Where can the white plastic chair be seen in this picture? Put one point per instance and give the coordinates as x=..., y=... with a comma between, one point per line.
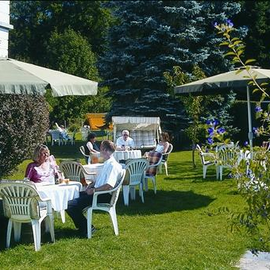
x=87, y=157
x=107, y=207
x=228, y=155
x=154, y=159
x=74, y=171
x=22, y=204
x=165, y=158
x=207, y=159
x=56, y=137
x=135, y=170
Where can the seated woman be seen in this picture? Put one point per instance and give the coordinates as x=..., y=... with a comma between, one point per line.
x=44, y=168
x=91, y=146
x=163, y=145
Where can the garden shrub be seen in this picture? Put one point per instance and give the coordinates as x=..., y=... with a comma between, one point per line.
x=23, y=124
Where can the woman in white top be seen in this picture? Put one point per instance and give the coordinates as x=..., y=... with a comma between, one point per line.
x=163, y=145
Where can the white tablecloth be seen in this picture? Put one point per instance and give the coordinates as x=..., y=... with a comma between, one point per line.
x=93, y=169
x=124, y=155
x=60, y=195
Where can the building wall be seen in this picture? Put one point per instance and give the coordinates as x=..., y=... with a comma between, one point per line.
x=5, y=26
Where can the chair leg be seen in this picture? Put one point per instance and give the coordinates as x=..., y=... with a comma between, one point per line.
x=89, y=222
x=17, y=231
x=112, y=213
x=126, y=194
x=49, y=225
x=220, y=172
x=154, y=184
x=141, y=191
x=9, y=229
x=166, y=168
x=145, y=181
x=132, y=192
x=204, y=171
x=36, y=234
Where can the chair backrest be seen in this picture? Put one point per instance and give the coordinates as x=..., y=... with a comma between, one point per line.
x=165, y=156
x=228, y=154
x=72, y=170
x=154, y=159
x=82, y=149
x=201, y=154
x=20, y=200
x=266, y=145
x=135, y=168
x=116, y=190
x=56, y=135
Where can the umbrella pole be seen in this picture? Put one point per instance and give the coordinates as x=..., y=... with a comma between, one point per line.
x=250, y=133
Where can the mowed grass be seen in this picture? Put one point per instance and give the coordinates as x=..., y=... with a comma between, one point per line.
x=178, y=228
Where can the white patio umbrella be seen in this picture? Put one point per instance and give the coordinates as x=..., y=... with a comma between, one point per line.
x=222, y=83
x=18, y=77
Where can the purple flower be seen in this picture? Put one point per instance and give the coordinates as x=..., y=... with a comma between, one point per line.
x=258, y=109
x=256, y=131
x=210, y=131
x=215, y=122
x=229, y=23
x=215, y=24
x=220, y=130
x=246, y=143
x=210, y=140
x=208, y=122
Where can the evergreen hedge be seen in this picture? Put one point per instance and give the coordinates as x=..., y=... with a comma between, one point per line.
x=23, y=124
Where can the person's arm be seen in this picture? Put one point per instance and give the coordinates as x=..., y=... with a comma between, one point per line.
x=92, y=190
x=166, y=146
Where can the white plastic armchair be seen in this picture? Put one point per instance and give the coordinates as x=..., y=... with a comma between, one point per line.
x=228, y=155
x=107, y=207
x=135, y=170
x=87, y=157
x=22, y=204
x=165, y=158
x=74, y=171
x=207, y=159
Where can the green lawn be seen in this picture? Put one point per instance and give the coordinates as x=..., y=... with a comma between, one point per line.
x=178, y=228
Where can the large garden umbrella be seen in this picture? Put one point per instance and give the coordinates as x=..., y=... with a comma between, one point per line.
x=18, y=77
x=225, y=82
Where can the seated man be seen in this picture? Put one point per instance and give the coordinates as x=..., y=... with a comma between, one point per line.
x=62, y=131
x=106, y=180
x=125, y=142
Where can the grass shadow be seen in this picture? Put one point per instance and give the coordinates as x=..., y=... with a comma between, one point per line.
x=163, y=202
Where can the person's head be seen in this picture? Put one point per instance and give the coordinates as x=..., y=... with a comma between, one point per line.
x=107, y=148
x=41, y=153
x=91, y=137
x=165, y=136
x=125, y=134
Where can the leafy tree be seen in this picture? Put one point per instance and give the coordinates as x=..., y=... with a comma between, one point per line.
x=35, y=21
x=64, y=35
x=70, y=52
x=255, y=16
x=23, y=124
x=150, y=38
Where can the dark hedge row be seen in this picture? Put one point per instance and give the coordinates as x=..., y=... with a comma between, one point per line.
x=24, y=120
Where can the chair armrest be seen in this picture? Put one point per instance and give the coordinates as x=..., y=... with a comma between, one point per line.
x=85, y=172
x=208, y=154
x=49, y=204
